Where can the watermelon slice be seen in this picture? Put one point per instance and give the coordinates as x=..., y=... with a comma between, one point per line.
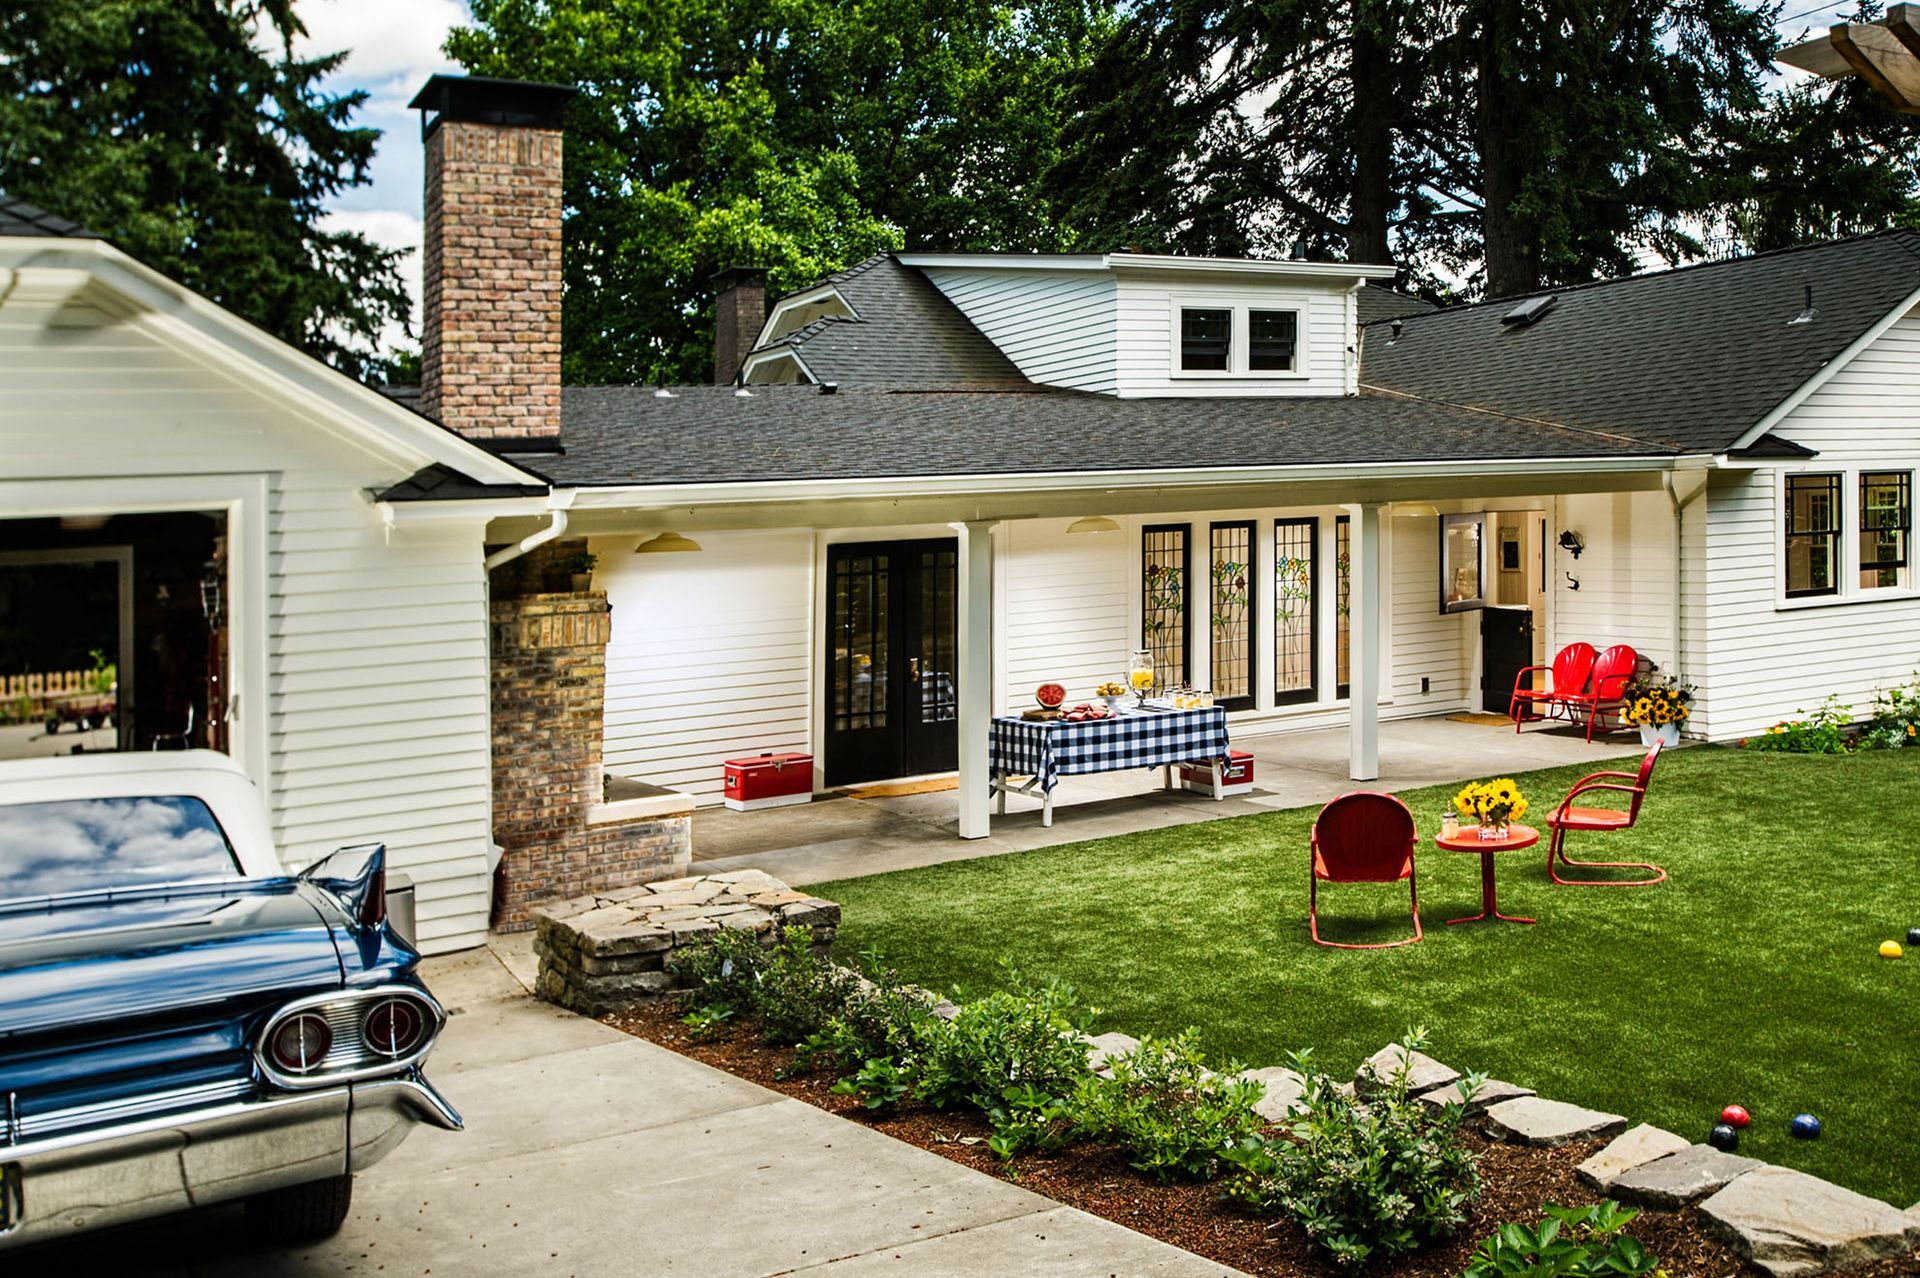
x=1050, y=695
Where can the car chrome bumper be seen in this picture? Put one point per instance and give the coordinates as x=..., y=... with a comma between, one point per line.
x=208, y=1155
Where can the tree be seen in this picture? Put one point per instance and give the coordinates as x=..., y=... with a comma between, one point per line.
x=797, y=135
x=187, y=132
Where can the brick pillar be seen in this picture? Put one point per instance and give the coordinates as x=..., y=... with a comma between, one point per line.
x=549, y=693
x=491, y=269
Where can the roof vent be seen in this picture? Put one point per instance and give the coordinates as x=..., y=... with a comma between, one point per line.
x=1529, y=312
x=828, y=388
x=1808, y=313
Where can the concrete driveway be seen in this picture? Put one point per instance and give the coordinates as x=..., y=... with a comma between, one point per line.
x=588, y=1151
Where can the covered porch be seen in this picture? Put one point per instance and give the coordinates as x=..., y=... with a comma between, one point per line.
x=841, y=836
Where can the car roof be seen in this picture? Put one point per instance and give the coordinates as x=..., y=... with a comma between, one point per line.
x=203, y=774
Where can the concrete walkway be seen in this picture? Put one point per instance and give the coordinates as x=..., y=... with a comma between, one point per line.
x=590, y=1152
x=833, y=838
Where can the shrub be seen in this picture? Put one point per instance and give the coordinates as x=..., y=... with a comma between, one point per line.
x=1003, y=1040
x=1578, y=1242
x=1029, y=1117
x=879, y=1083
x=724, y=968
x=1167, y=1110
x=793, y=990
x=1896, y=718
x=1822, y=732
x=1366, y=1182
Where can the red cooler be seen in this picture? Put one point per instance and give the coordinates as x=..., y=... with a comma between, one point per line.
x=769, y=780
x=1236, y=775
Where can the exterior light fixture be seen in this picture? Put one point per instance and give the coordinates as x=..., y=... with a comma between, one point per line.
x=665, y=544
x=1093, y=524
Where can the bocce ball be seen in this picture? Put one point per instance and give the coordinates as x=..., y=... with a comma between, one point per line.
x=1725, y=1137
x=1890, y=949
x=1806, y=1127
x=1735, y=1116
x=1913, y=936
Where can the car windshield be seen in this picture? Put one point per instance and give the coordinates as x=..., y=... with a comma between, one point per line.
x=84, y=845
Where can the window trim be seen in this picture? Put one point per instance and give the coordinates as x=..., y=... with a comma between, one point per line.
x=1311, y=693
x=1904, y=565
x=1238, y=335
x=1250, y=698
x=1186, y=594
x=1234, y=337
x=1850, y=593
x=1293, y=348
x=1836, y=482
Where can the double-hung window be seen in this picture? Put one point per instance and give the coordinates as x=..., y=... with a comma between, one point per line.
x=1206, y=338
x=1813, y=535
x=1271, y=336
x=1886, y=527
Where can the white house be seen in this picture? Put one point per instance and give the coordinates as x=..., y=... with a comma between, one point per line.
x=946, y=478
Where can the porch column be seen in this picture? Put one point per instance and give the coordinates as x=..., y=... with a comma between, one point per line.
x=976, y=671
x=1364, y=628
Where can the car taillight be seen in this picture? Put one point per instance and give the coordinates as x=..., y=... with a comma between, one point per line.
x=301, y=1043
x=393, y=1027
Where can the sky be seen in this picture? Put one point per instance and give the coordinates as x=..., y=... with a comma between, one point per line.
x=394, y=45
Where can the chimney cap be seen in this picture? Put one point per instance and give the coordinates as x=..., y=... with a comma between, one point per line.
x=483, y=100
x=730, y=276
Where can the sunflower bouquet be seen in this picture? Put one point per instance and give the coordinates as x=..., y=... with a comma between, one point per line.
x=1657, y=699
x=1493, y=804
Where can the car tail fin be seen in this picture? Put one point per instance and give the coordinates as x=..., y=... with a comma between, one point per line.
x=358, y=876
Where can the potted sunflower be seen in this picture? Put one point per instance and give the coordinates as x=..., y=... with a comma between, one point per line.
x=1493, y=805
x=1657, y=705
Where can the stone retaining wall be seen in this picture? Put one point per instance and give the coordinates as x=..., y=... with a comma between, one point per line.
x=605, y=951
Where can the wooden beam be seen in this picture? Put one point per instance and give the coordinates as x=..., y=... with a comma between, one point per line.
x=1904, y=21
x=1841, y=36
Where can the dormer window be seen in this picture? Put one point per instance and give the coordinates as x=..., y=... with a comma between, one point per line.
x=1270, y=340
x=1206, y=338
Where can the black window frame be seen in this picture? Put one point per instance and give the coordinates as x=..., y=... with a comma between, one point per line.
x=1189, y=343
x=1832, y=481
x=1250, y=531
x=1902, y=482
x=1255, y=346
x=1310, y=693
x=1343, y=603
x=1147, y=641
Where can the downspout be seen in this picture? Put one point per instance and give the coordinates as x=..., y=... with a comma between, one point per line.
x=1679, y=556
x=558, y=502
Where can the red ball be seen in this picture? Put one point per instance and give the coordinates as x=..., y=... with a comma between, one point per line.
x=1735, y=1115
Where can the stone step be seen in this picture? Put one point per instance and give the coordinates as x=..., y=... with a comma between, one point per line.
x=1423, y=1072
x=1637, y=1147
x=1285, y=1088
x=1534, y=1120
x=1681, y=1178
x=1490, y=1093
x=1102, y=1047
x=1791, y=1224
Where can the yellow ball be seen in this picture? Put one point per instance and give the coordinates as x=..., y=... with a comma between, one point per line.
x=1890, y=949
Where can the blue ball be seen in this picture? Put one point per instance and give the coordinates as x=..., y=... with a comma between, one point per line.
x=1724, y=1137
x=1806, y=1127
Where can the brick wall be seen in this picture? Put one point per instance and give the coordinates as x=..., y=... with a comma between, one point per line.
x=490, y=347
x=549, y=686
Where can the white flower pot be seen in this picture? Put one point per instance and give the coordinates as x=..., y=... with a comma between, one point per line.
x=1667, y=734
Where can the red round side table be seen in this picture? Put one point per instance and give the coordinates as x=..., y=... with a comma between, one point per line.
x=1469, y=840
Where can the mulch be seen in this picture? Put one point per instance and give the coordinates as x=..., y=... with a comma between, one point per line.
x=1517, y=1180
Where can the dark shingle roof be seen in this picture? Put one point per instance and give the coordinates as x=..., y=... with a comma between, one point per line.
x=907, y=333
x=1376, y=303
x=620, y=435
x=443, y=483
x=1693, y=357
x=17, y=217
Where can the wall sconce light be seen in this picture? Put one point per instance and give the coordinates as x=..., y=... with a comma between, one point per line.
x=1093, y=524
x=666, y=543
x=1572, y=542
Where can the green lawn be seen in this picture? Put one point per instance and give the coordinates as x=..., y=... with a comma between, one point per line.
x=1751, y=976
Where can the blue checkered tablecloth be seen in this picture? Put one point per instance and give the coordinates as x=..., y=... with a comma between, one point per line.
x=1024, y=747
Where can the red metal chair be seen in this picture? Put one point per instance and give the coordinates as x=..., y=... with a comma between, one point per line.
x=1612, y=672
x=1568, y=817
x=1363, y=837
x=1570, y=669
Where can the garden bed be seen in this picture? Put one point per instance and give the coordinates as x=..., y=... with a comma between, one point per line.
x=1517, y=1180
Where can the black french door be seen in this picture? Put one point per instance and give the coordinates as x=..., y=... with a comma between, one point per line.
x=892, y=669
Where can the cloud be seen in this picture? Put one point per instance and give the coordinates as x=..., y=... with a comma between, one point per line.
x=385, y=39
x=394, y=229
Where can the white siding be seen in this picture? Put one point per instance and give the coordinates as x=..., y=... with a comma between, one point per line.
x=375, y=650
x=1149, y=334
x=1439, y=647
x=1767, y=658
x=1068, y=616
x=1056, y=326
x=709, y=655
x=1625, y=574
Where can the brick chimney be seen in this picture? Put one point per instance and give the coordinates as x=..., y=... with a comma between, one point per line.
x=739, y=313
x=490, y=348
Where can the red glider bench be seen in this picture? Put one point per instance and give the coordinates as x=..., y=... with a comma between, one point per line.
x=1580, y=685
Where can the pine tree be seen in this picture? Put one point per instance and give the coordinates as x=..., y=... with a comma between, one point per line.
x=188, y=134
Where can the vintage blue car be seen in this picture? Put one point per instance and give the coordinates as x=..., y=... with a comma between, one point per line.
x=181, y=1021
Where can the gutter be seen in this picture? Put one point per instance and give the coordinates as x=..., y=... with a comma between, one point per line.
x=558, y=503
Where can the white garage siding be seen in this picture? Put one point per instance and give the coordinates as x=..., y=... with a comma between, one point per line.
x=375, y=654
x=1772, y=658
x=709, y=655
